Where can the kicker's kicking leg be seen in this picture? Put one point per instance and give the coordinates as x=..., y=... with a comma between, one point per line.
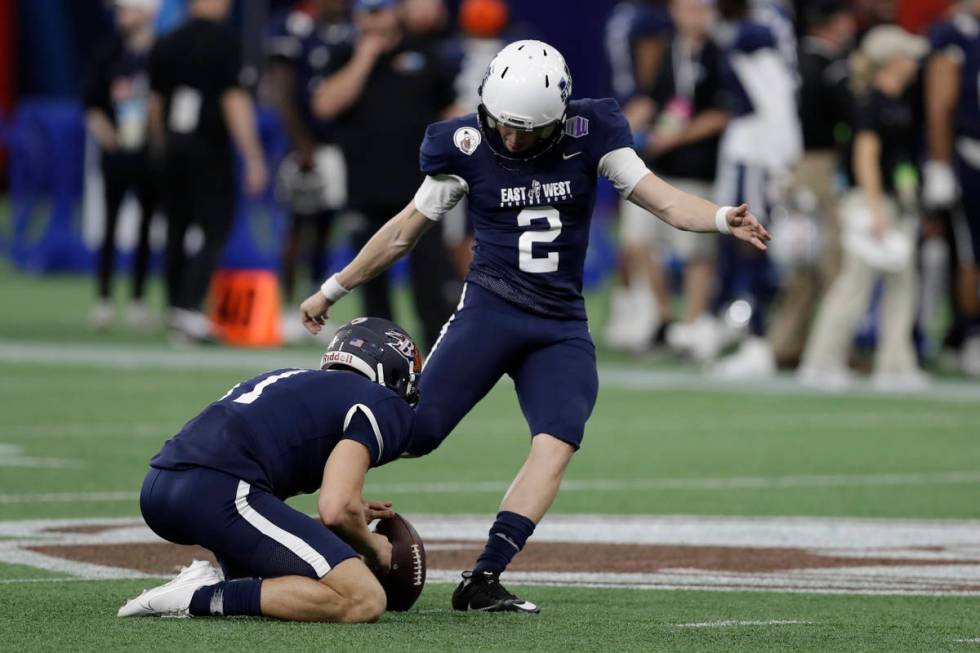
x=528, y=499
x=536, y=485
x=557, y=387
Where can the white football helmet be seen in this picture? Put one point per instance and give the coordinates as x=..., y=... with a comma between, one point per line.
x=526, y=86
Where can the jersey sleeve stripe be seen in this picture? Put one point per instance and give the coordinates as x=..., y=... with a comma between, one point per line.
x=374, y=425
x=303, y=550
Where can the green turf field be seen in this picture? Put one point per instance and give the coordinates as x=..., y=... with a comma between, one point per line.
x=81, y=413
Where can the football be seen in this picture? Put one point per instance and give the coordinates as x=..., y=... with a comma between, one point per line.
x=404, y=583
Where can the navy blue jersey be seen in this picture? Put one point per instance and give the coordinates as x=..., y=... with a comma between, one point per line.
x=275, y=431
x=631, y=21
x=315, y=51
x=531, y=221
x=960, y=37
x=749, y=38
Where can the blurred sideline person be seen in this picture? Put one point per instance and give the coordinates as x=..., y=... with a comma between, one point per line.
x=197, y=103
x=425, y=18
x=761, y=144
x=636, y=38
x=880, y=221
x=223, y=480
x=388, y=89
x=528, y=160
x=952, y=173
x=312, y=179
x=482, y=24
x=682, y=147
x=116, y=97
x=825, y=114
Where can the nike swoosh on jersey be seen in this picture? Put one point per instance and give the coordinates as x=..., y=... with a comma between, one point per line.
x=569, y=156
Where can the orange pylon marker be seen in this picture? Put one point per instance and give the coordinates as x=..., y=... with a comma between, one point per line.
x=245, y=308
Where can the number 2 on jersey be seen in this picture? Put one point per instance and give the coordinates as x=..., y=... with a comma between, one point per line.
x=527, y=261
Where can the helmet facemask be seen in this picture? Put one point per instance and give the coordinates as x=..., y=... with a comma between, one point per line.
x=549, y=136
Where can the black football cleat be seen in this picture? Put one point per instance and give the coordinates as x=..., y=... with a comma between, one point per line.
x=484, y=593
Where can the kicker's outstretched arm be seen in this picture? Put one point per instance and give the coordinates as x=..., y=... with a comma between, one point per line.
x=392, y=241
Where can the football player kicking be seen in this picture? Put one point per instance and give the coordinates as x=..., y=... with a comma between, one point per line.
x=222, y=480
x=528, y=162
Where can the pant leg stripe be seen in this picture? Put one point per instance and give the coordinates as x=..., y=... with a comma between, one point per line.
x=445, y=327
x=962, y=237
x=303, y=550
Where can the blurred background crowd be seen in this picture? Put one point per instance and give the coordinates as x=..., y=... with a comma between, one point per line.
x=254, y=146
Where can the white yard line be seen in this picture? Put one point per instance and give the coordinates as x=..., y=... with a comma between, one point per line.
x=583, y=485
x=704, y=582
x=12, y=455
x=611, y=376
x=820, y=535
x=125, y=429
x=745, y=482
x=61, y=579
x=17, y=556
x=70, y=497
x=732, y=623
x=830, y=536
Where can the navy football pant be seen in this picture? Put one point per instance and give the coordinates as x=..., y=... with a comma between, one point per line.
x=551, y=361
x=743, y=271
x=966, y=222
x=251, y=532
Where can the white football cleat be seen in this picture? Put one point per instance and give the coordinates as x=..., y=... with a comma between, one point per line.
x=190, y=327
x=754, y=359
x=830, y=380
x=174, y=598
x=701, y=339
x=913, y=381
x=634, y=318
x=616, y=334
x=138, y=316
x=101, y=315
x=970, y=356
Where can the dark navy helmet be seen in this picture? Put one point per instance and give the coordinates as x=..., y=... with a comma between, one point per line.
x=380, y=350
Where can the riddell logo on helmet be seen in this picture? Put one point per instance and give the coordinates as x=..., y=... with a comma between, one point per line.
x=341, y=357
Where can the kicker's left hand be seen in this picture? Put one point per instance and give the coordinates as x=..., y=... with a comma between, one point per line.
x=377, y=510
x=747, y=227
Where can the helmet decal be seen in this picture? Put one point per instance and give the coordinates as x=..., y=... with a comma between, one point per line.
x=401, y=343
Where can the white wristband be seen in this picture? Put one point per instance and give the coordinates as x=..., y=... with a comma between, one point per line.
x=721, y=220
x=332, y=289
